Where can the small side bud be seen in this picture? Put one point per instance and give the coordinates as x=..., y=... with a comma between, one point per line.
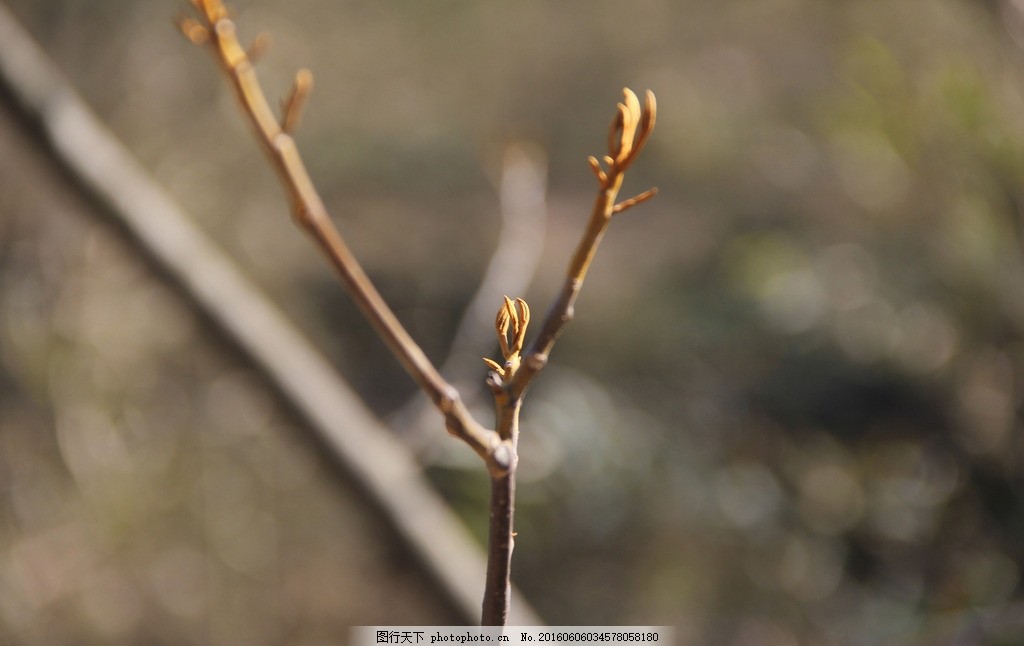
x=194, y=31
x=259, y=47
x=296, y=100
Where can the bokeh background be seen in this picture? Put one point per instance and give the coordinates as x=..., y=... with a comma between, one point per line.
x=788, y=411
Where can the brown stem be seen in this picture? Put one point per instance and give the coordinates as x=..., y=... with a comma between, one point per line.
x=499, y=551
x=562, y=310
x=629, y=132
x=501, y=537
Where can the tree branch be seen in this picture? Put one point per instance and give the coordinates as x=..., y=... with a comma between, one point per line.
x=311, y=215
x=628, y=134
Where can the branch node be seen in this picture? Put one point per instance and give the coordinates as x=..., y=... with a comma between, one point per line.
x=231, y=52
x=502, y=456
x=493, y=379
x=447, y=399
x=536, y=361
x=502, y=460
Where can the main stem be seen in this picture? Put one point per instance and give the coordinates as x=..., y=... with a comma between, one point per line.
x=501, y=537
x=499, y=551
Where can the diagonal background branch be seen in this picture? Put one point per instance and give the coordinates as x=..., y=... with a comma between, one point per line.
x=356, y=439
x=521, y=184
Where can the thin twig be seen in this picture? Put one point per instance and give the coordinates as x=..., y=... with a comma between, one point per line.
x=627, y=136
x=311, y=214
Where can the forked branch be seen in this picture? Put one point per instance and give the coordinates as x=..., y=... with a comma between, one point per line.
x=507, y=379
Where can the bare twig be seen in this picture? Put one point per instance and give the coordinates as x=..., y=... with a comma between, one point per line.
x=311, y=215
x=627, y=136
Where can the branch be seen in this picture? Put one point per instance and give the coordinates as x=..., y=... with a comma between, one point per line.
x=217, y=30
x=630, y=129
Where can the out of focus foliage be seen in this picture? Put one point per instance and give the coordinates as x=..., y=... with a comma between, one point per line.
x=788, y=411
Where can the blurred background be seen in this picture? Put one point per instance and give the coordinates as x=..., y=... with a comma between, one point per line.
x=787, y=413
